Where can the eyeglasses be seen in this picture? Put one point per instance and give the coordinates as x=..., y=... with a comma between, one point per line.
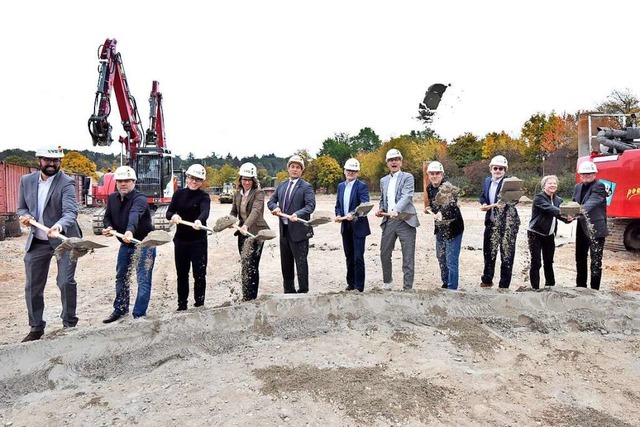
x=498, y=168
x=48, y=160
x=434, y=173
x=394, y=159
x=350, y=171
x=194, y=179
x=246, y=179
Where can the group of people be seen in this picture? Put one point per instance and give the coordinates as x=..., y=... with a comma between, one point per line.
x=47, y=196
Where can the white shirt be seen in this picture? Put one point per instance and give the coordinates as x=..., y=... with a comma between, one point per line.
x=43, y=190
x=346, y=198
x=287, y=194
x=391, y=192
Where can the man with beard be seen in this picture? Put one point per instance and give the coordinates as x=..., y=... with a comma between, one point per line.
x=48, y=196
x=128, y=213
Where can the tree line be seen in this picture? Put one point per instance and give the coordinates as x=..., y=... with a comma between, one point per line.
x=547, y=145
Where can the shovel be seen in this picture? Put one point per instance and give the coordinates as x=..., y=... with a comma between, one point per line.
x=230, y=220
x=76, y=245
x=318, y=219
x=402, y=216
x=192, y=224
x=154, y=238
x=361, y=210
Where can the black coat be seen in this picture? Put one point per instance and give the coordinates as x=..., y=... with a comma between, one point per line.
x=543, y=210
x=594, y=207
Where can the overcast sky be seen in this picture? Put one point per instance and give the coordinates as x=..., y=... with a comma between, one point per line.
x=260, y=77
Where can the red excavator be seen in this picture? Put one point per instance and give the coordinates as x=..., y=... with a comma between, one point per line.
x=146, y=153
x=606, y=140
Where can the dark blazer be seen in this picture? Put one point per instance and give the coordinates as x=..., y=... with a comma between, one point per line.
x=302, y=203
x=543, y=210
x=359, y=195
x=255, y=206
x=60, y=207
x=594, y=208
x=500, y=215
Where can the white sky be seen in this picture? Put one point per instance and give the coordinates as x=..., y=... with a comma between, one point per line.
x=259, y=77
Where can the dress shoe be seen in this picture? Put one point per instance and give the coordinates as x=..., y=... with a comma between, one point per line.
x=349, y=288
x=182, y=308
x=112, y=318
x=486, y=285
x=387, y=286
x=33, y=336
x=444, y=286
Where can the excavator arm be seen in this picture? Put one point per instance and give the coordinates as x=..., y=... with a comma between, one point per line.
x=112, y=77
x=155, y=133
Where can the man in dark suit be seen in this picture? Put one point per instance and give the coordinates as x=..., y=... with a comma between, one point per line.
x=351, y=193
x=294, y=197
x=592, y=224
x=501, y=224
x=48, y=196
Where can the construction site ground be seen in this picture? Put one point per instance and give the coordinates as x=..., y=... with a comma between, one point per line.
x=474, y=357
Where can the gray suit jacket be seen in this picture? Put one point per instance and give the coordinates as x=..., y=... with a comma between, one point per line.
x=404, y=197
x=60, y=207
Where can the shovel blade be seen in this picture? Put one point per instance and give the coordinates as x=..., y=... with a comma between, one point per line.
x=265, y=235
x=156, y=238
x=77, y=246
x=224, y=222
x=363, y=209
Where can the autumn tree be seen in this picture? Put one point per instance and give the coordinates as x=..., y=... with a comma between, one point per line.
x=620, y=102
x=74, y=162
x=465, y=149
x=326, y=173
x=228, y=174
x=281, y=176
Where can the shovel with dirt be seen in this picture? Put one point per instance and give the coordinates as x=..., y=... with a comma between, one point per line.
x=402, y=216
x=227, y=221
x=361, y=210
x=318, y=218
x=153, y=239
x=76, y=245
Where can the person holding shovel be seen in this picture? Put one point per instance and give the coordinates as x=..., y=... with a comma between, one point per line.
x=294, y=198
x=351, y=193
x=190, y=242
x=248, y=207
x=448, y=224
x=128, y=213
x=592, y=224
x=48, y=196
x=397, y=196
x=501, y=224
x=541, y=232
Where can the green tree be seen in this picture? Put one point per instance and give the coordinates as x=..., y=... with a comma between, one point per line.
x=228, y=174
x=281, y=176
x=19, y=160
x=338, y=147
x=465, y=149
x=365, y=141
x=620, y=102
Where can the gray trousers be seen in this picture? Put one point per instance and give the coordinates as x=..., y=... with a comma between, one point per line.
x=36, y=262
x=394, y=229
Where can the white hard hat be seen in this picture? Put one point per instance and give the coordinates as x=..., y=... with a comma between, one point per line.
x=50, y=152
x=248, y=170
x=197, y=171
x=296, y=159
x=352, y=164
x=435, y=167
x=587, y=167
x=393, y=153
x=499, y=161
x=124, y=173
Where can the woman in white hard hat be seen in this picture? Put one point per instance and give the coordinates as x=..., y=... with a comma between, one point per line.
x=448, y=224
x=541, y=232
x=592, y=225
x=191, y=204
x=351, y=193
x=248, y=207
x=501, y=226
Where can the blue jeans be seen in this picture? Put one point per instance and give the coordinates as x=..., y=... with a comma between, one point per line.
x=144, y=258
x=448, y=253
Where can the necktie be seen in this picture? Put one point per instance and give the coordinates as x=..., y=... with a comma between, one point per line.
x=287, y=196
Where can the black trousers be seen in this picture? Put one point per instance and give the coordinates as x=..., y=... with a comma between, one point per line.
x=584, y=246
x=190, y=254
x=545, y=246
x=354, y=254
x=294, y=253
x=499, y=237
x=250, y=252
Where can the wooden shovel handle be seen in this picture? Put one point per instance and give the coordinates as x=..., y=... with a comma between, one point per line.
x=284, y=215
x=47, y=229
x=120, y=235
x=193, y=224
x=245, y=233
